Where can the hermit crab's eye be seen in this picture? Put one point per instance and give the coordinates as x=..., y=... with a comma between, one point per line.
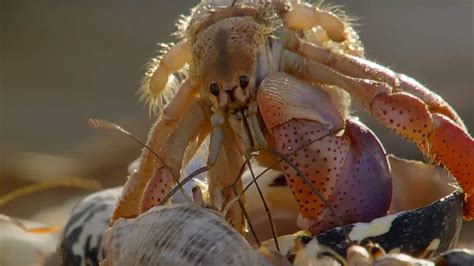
x=214, y=88
x=244, y=81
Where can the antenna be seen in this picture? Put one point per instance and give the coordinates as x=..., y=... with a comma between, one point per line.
x=267, y=210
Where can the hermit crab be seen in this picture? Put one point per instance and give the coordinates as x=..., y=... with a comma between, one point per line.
x=272, y=81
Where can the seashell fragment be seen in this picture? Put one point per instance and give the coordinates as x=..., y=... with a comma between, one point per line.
x=21, y=247
x=81, y=240
x=401, y=260
x=455, y=257
x=435, y=227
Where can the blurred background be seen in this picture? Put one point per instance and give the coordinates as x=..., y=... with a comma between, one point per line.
x=63, y=62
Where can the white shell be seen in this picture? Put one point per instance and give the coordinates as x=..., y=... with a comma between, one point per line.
x=81, y=240
x=178, y=234
x=401, y=260
x=18, y=247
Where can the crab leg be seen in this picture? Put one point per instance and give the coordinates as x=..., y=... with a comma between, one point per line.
x=340, y=167
x=363, y=69
x=415, y=118
x=225, y=170
x=128, y=204
x=172, y=61
x=305, y=17
x=349, y=65
x=164, y=179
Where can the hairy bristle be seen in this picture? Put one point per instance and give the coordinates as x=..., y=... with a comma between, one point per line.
x=156, y=103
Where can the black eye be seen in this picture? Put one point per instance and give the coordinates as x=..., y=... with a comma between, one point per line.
x=244, y=81
x=214, y=88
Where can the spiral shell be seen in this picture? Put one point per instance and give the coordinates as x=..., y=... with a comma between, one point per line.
x=180, y=234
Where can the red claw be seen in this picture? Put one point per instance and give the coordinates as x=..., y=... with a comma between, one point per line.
x=350, y=171
x=454, y=148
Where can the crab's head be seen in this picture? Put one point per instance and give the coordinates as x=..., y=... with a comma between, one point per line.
x=225, y=57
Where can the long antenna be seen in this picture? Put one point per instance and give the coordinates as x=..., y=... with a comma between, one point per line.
x=238, y=198
x=103, y=124
x=267, y=210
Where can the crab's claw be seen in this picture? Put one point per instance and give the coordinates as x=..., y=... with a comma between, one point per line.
x=336, y=169
x=435, y=128
x=454, y=148
x=397, y=101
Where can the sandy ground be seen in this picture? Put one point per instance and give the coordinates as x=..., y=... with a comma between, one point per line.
x=64, y=62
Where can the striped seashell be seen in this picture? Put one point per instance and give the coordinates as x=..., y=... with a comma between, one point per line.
x=178, y=234
x=81, y=240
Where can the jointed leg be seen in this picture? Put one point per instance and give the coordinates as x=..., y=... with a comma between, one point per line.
x=128, y=205
x=305, y=17
x=189, y=127
x=363, y=69
x=420, y=116
x=346, y=64
x=454, y=148
x=227, y=166
x=176, y=57
x=364, y=90
x=367, y=90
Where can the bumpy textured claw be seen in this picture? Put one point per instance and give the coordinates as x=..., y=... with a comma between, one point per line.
x=404, y=114
x=454, y=148
x=157, y=189
x=398, y=102
x=364, y=188
x=440, y=137
x=350, y=170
